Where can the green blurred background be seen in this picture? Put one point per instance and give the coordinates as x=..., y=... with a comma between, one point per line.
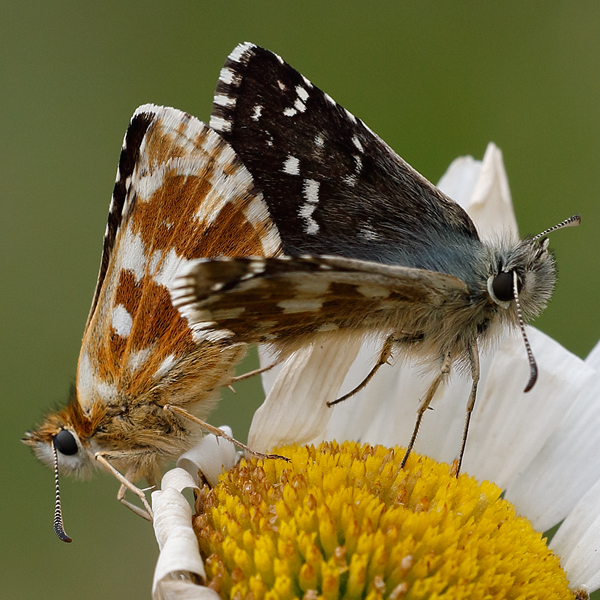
x=434, y=79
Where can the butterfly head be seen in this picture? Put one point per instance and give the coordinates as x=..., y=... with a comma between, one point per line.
x=66, y=430
x=531, y=265
x=524, y=281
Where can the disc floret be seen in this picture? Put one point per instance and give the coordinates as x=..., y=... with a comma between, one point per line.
x=344, y=521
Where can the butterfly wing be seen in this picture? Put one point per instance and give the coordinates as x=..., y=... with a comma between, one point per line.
x=287, y=301
x=181, y=193
x=331, y=184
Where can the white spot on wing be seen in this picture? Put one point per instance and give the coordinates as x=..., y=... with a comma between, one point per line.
x=350, y=115
x=319, y=146
x=302, y=93
x=165, y=274
x=256, y=212
x=107, y=391
x=121, y=321
x=299, y=105
x=85, y=380
x=136, y=360
x=291, y=166
x=311, y=227
x=295, y=306
x=357, y=143
x=256, y=112
x=239, y=51
x=225, y=101
x=220, y=124
x=310, y=188
x=90, y=387
x=373, y=291
x=132, y=254
x=165, y=366
x=312, y=287
x=229, y=76
x=212, y=336
x=257, y=266
x=290, y=112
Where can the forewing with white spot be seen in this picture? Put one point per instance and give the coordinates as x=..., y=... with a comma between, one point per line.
x=181, y=193
x=332, y=186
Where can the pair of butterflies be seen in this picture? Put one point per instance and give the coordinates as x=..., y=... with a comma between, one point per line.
x=287, y=222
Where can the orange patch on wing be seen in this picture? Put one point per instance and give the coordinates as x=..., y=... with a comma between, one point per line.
x=160, y=146
x=166, y=221
x=231, y=234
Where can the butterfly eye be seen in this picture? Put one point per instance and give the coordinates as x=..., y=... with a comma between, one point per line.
x=502, y=285
x=65, y=443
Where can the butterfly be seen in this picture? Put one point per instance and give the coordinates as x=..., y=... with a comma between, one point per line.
x=181, y=193
x=372, y=248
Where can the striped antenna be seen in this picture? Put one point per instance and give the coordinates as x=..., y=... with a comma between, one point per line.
x=570, y=222
x=533, y=370
x=59, y=528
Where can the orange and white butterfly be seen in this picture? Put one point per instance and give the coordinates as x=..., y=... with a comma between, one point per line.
x=181, y=193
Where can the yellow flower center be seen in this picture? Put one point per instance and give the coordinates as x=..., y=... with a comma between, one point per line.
x=344, y=521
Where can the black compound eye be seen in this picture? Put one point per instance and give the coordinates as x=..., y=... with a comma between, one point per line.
x=65, y=443
x=503, y=286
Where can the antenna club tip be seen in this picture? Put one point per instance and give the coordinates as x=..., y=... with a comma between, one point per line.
x=60, y=532
x=532, y=379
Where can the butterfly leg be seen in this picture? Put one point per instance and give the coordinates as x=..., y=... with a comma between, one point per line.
x=425, y=404
x=384, y=356
x=218, y=432
x=255, y=372
x=126, y=484
x=474, y=359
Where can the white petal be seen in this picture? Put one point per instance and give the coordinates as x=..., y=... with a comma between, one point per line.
x=176, y=538
x=593, y=358
x=211, y=455
x=566, y=466
x=577, y=541
x=482, y=190
x=460, y=179
x=357, y=417
x=384, y=411
x=295, y=410
x=510, y=427
x=491, y=204
x=269, y=377
x=183, y=590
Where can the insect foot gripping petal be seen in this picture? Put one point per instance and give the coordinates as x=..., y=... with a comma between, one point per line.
x=219, y=433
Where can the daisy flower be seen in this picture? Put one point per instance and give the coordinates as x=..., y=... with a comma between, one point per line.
x=342, y=520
